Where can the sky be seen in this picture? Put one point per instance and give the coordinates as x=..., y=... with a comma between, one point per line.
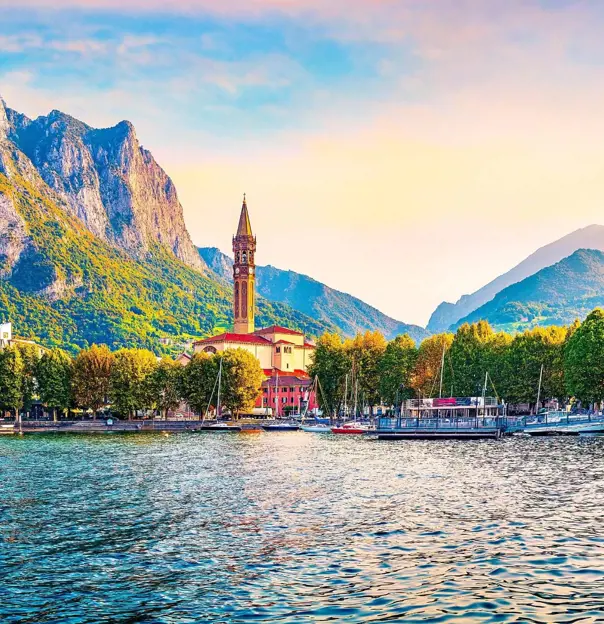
x=404, y=151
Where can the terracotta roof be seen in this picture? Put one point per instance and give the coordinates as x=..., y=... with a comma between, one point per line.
x=271, y=372
x=277, y=329
x=244, y=228
x=286, y=380
x=283, y=342
x=228, y=337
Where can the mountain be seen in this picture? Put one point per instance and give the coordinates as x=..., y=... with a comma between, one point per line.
x=555, y=295
x=107, y=180
x=349, y=314
x=447, y=314
x=82, y=258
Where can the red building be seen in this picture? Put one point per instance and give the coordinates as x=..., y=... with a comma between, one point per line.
x=286, y=393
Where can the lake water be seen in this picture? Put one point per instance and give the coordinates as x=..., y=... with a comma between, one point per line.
x=296, y=527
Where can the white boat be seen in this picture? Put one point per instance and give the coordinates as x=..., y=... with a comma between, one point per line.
x=316, y=428
x=287, y=426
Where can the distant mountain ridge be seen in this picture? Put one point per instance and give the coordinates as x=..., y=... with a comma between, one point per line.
x=555, y=295
x=448, y=314
x=307, y=295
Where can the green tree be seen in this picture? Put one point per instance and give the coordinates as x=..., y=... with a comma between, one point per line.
x=242, y=380
x=11, y=379
x=584, y=359
x=469, y=359
x=331, y=364
x=495, y=362
x=425, y=378
x=130, y=380
x=54, y=373
x=30, y=357
x=165, y=385
x=527, y=352
x=396, y=369
x=198, y=380
x=366, y=351
x=91, y=373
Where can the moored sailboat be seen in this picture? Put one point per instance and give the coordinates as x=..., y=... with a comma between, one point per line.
x=216, y=426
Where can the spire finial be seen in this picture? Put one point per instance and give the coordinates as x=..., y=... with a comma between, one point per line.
x=244, y=198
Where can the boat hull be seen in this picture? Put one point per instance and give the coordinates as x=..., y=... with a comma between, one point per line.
x=281, y=427
x=219, y=429
x=348, y=431
x=311, y=429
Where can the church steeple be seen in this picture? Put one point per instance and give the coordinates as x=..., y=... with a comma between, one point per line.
x=244, y=279
x=244, y=229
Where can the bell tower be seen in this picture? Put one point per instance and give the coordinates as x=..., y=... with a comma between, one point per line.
x=244, y=274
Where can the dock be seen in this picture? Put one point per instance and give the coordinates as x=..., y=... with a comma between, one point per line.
x=113, y=425
x=557, y=423
x=440, y=429
x=454, y=418
x=102, y=426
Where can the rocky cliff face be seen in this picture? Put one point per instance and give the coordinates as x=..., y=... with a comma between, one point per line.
x=106, y=179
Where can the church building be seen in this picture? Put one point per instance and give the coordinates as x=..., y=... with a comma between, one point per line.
x=280, y=351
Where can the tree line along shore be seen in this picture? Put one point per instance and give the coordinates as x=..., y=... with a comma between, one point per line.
x=133, y=382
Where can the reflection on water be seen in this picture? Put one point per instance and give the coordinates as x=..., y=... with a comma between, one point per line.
x=295, y=527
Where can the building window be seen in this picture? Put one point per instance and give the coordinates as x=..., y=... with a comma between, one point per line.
x=210, y=350
x=244, y=300
x=244, y=258
x=292, y=389
x=277, y=349
x=284, y=400
x=287, y=366
x=265, y=390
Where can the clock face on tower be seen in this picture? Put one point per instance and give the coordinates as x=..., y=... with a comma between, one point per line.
x=237, y=270
x=251, y=270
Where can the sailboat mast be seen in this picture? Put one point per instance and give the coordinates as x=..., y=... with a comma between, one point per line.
x=539, y=390
x=484, y=393
x=219, y=382
x=277, y=394
x=442, y=369
x=346, y=396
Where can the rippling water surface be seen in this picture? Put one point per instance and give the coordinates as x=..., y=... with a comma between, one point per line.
x=295, y=527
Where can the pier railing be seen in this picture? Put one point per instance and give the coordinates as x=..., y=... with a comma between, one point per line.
x=551, y=419
x=453, y=423
x=469, y=402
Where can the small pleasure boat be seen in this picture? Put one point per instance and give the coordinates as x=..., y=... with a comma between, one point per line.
x=352, y=428
x=281, y=427
x=220, y=428
x=250, y=429
x=316, y=428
